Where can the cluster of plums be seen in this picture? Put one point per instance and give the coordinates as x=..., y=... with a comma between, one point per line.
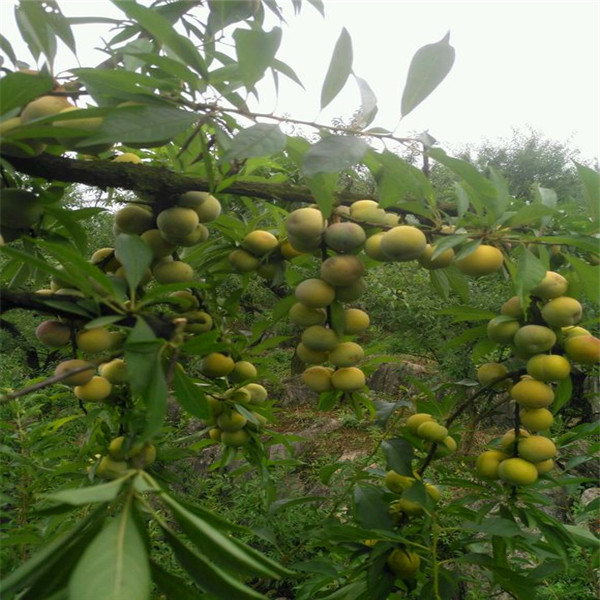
x=547, y=339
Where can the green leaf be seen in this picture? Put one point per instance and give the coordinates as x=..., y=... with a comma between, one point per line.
x=590, y=180
x=115, y=565
x=427, y=70
x=398, y=454
x=529, y=272
x=189, y=395
x=201, y=345
x=7, y=49
x=530, y=214
x=223, y=13
x=368, y=104
x=322, y=186
x=467, y=313
x=333, y=154
x=172, y=586
x=32, y=22
x=135, y=256
x=502, y=196
x=480, y=185
x=255, y=50
x=206, y=575
x=105, y=492
x=495, y=526
x=371, y=509
x=143, y=124
x=440, y=283
x=155, y=397
x=468, y=335
x=339, y=70
x=60, y=25
x=563, y=393
x=45, y=560
x=161, y=29
x=397, y=181
x=589, y=277
x=258, y=140
x=582, y=536
x=211, y=542
x=18, y=89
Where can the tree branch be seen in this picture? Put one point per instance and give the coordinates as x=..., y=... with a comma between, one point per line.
x=154, y=182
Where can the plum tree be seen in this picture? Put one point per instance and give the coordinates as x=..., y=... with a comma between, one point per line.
x=228, y=220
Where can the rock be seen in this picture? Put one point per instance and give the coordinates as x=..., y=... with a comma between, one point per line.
x=389, y=378
x=295, y=393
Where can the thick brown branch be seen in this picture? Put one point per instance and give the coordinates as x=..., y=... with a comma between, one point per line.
x=162, y=326
x=152, y=182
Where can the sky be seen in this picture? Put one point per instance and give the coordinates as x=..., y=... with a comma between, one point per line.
x=518, y=64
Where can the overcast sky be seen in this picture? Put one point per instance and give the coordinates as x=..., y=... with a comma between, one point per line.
x=517, y=64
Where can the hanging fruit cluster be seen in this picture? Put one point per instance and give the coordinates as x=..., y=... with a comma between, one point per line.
x=546, y=338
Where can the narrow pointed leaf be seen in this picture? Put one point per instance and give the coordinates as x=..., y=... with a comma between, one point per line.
x=189, y=395
x=135, y=256
x=114, y=566
x=334, y=154
x=206, y=575
x=427, y=70
x=255, y=51
x=590, y=180
x=339, y=69
x=105, y=492
x=258, y=140
x=17, y=89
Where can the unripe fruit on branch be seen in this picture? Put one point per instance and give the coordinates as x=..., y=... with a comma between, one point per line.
x=44, y=107
x=243, y=370
x=199, y=235
x=552, y=285
x=345, y=237
x=403, y=243
x=53, y=333
x=373, y=247
x=414, y=421
x=403, y=563
x=80, y=378
x=109, y=468
x=507, y=442
x=544, y=466
x=134, y=218
x=530, y=393
x=305, y=224
x=432, y=431
x=352, y=292
x=536, y=419
x=304, y=316
x=536, y=448
x=311, y=357
x=562, y=312
x=127, y=157
x=487, y=463
x=355, y=321
x=88, y=124
x=483, y=261
x=574, y=331
x=315, y=293
x=584, y=349
x=534, y=339
x=348, y=379
x=242, y=261
x=19, y=209
x=172, y=271
x=216, y=365
x=512, y=308
x=397, y=483
x=95, y=390
x=114, y=371
x=159, y=246
x=319, y=338
x=445, y=259
x=103, y=254
x=207, y=207
x=489, y=372
x=502, y=329
x=342, y=270
x=548, y=367
x=346, y=354
x=176, y=223
x=198, y=321
x=317, y=378
x=260, y=242
x=235, y=438
x=258, y=394
x=232, y=421
x=94, y=340
x=447, y=446
x=517, y=471
x=186, y=301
